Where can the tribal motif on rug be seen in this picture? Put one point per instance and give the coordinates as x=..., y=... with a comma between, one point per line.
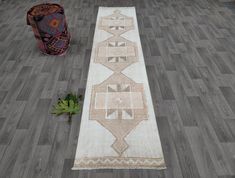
x=118, y=127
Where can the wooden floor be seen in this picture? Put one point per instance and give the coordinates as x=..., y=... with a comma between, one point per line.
x=189, y=49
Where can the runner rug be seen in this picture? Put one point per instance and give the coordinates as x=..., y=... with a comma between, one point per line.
x=118, y=127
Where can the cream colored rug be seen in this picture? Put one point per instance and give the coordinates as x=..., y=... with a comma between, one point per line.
x=118, y=127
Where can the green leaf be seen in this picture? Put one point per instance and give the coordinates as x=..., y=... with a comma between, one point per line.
x=69, y=105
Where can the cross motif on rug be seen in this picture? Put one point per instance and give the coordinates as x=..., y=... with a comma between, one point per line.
x=119, y=105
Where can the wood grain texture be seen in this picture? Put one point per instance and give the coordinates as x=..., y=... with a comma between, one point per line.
x=189, y=49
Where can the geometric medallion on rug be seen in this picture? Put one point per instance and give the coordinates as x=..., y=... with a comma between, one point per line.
x=118, y=126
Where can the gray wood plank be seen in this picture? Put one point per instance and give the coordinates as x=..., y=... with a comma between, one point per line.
x=39, y=162
x=68, y=163
x=29, y=143
x=2, y=120
x=2, y=151
x=187, y=117
x=163, y=81
x=183, y=150
x=168, y=146
x=11, y=154
x=222, y=130
x=26, y=118
x=201, y=155
x=9, y=128
x=55, y=163
x=223, y=165
x=229, y=95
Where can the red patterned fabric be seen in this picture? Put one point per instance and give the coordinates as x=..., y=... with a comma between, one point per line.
x=49, y=27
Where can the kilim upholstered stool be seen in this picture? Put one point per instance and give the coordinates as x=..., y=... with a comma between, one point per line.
x=50, y=28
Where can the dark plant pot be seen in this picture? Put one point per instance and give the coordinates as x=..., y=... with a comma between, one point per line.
x=50, y=28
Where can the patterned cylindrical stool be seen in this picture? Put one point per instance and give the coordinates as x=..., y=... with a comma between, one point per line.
x=50, y=28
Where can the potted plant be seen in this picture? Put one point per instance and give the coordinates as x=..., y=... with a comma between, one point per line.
x=68, y=105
